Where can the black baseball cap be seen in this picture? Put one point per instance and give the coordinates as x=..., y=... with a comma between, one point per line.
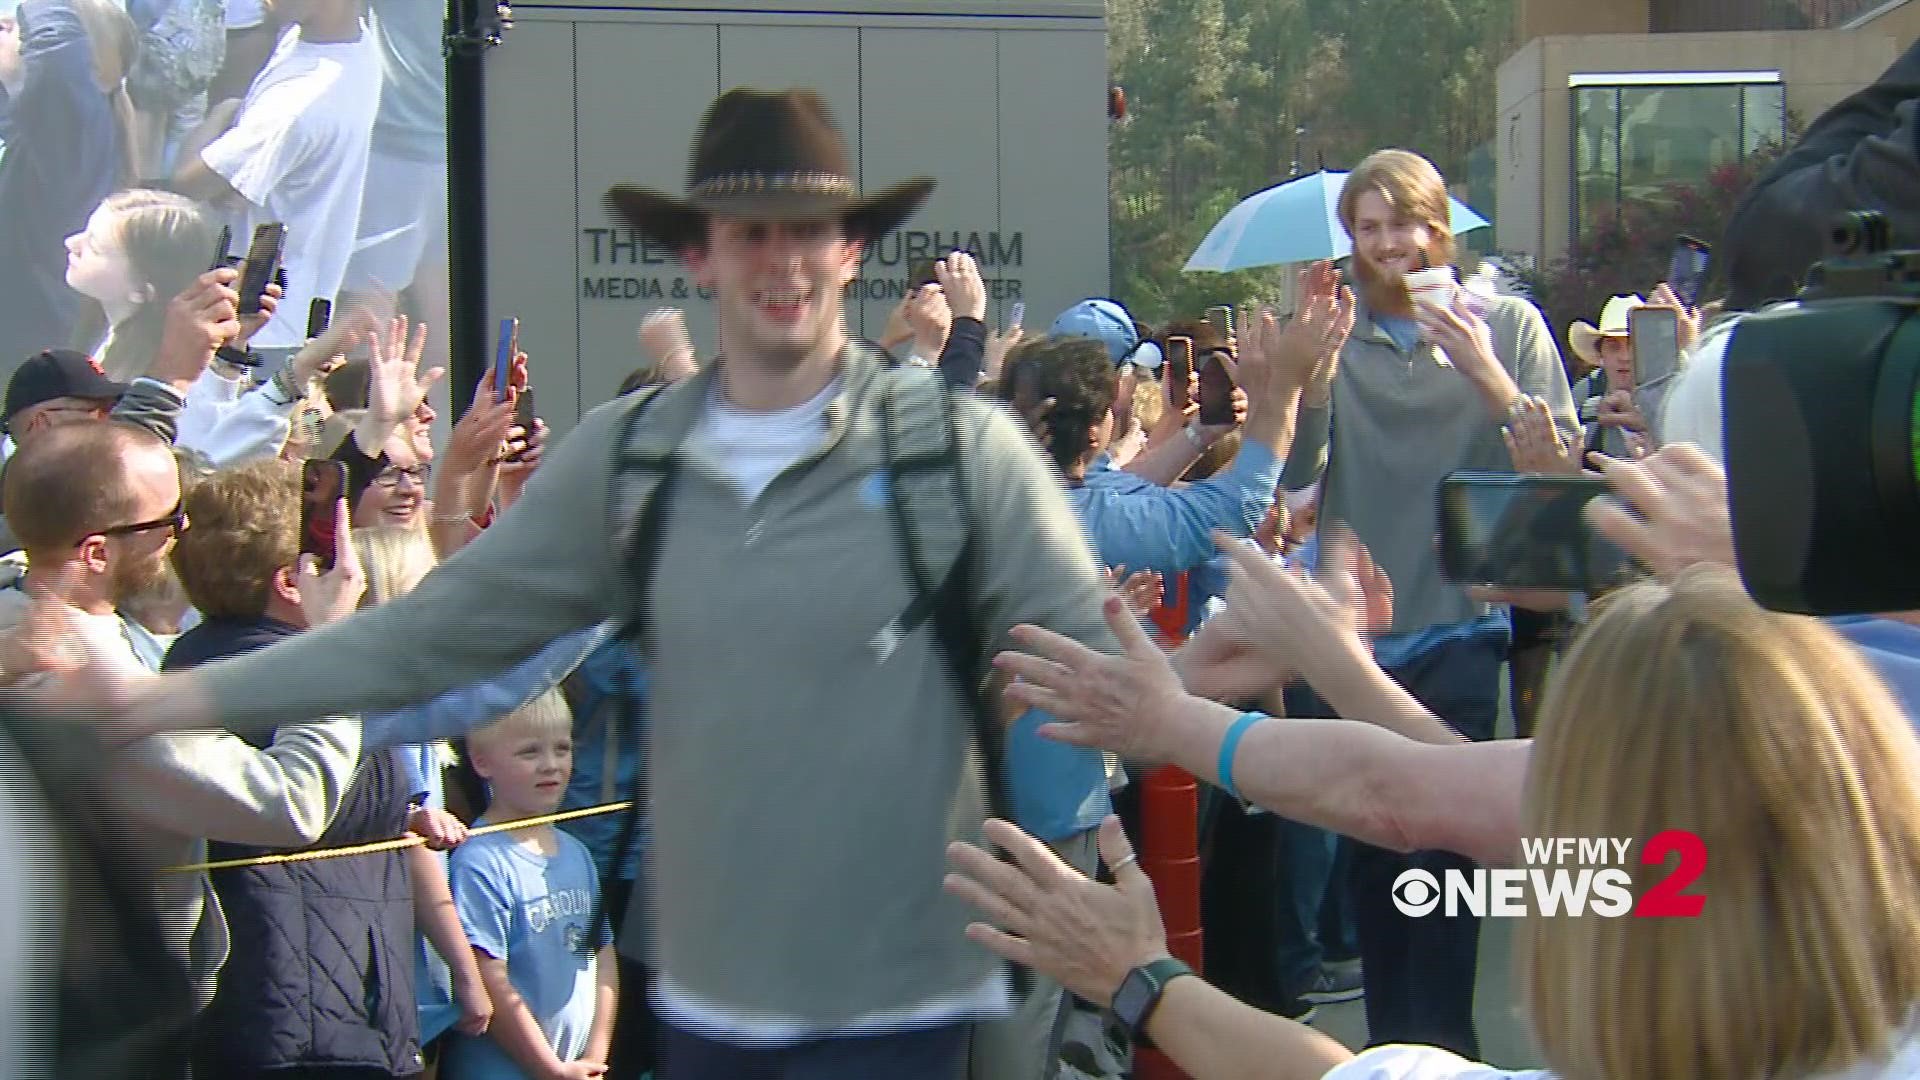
x=59, y=373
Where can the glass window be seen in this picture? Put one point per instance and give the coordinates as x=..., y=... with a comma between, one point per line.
x=1631, y=144
x=1764, y=116
x=1596, y=154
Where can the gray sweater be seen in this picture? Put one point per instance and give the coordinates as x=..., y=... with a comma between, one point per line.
x=804, y=789
x=1404, y=421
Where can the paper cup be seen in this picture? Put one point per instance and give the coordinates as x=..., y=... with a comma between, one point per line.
x=1432, y=287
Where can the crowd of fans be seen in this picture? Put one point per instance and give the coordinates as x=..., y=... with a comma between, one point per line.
x=499, y=634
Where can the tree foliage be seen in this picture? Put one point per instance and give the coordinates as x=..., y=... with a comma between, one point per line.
x=1228, y=97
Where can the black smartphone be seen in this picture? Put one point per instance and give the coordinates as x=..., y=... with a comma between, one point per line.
x=319, y=317
x=1216, y=391
x=263, y=263
x=1221, y=319
x=1521, y=531
x=523, y=408
x=1179, y=372
x=922, y=275
x=1655, y=336
x=323, y=482
x=220, y=256
x=1687, y=271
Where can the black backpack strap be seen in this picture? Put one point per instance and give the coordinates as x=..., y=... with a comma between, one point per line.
x=643, y=554
x=949, y=600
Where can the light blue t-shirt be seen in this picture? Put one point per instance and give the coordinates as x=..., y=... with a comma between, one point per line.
x=533, y=912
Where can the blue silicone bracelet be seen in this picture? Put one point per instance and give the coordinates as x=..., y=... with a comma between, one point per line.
x=1229, y=746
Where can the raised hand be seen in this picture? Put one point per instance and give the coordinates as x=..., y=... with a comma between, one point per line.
x=1142, y=590
x=959, y=277
x=397, y=386
x=252, y=324
x=1050, y=917
x=664, y=339
x=1669, y=510
x=1107, y=702
x=1535, y=442
x=335, y=594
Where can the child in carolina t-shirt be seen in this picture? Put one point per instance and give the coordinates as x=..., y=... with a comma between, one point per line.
x=526, y=898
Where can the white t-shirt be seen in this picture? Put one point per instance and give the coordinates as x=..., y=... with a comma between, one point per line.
x=755, y=447
x=297, y=154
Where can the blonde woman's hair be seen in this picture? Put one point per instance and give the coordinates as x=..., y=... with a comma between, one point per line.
x=1689, y=707
x=1149, y=402
x=1412, y=186
x=394, y=559
x=545, y=715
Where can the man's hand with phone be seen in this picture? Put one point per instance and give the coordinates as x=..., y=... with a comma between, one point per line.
x=1689, y=318
x=518, y=467
x=268, y=305
x=200, y=320
x=335, y=594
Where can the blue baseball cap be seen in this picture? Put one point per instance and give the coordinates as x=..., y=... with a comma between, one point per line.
x=1109, y=324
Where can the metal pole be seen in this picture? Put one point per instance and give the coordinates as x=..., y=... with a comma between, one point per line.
x=473, y=27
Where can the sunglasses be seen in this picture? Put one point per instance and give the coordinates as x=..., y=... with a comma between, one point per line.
x=175, y=523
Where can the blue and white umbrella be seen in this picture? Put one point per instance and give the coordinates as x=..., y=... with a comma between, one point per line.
x=1294, y=222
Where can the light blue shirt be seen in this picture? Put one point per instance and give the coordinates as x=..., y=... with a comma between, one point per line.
x=458, y=712
x=1140, y=525
x=533, y=912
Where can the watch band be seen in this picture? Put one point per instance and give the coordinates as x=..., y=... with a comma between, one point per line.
x=1134, y=1003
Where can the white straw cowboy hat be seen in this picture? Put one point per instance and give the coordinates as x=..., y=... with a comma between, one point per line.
x=1585, y=337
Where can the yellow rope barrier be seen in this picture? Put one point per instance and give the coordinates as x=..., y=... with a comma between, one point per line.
x=397, y=844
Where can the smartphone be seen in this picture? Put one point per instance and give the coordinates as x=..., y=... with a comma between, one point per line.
x=523, y=412
x=1216, y=391
x=220, y=258
x=922, y=275
x=503, y=358
x=263, y=263
x=1655, y=335
x=1179, y=372
x=1525, y=532
x=323, y=482
x=1221, y=319
x=1019, y=317
x=1687, y=271
x=319, y=317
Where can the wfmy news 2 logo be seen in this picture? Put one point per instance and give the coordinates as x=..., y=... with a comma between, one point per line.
x=1564, y=876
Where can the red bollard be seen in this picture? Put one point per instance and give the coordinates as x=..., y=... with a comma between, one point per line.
x=1170, y=854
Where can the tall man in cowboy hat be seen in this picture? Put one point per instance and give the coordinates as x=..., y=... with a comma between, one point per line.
x=809, y=755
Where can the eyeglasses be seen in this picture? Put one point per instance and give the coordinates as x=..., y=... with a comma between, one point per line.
x=390, y=479
x=175, y=524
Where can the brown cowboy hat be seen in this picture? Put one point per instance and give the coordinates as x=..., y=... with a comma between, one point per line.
x=768, y=156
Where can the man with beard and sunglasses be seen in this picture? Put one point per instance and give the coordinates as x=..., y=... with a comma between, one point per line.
x=1418, y=391
x=99, y=507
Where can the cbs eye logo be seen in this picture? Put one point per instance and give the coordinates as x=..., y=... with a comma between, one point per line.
x=1416, y=893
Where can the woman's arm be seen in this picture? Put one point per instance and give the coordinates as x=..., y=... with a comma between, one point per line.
x=1209, y=1033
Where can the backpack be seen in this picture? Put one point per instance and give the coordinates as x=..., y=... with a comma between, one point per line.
x=111, y=937
x=178, y=55
x=926, y=496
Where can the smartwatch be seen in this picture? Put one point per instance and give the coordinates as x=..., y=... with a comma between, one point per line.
x=1140, y=993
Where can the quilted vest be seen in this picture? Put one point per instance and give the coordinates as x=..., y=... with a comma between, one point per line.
x=321, y=970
